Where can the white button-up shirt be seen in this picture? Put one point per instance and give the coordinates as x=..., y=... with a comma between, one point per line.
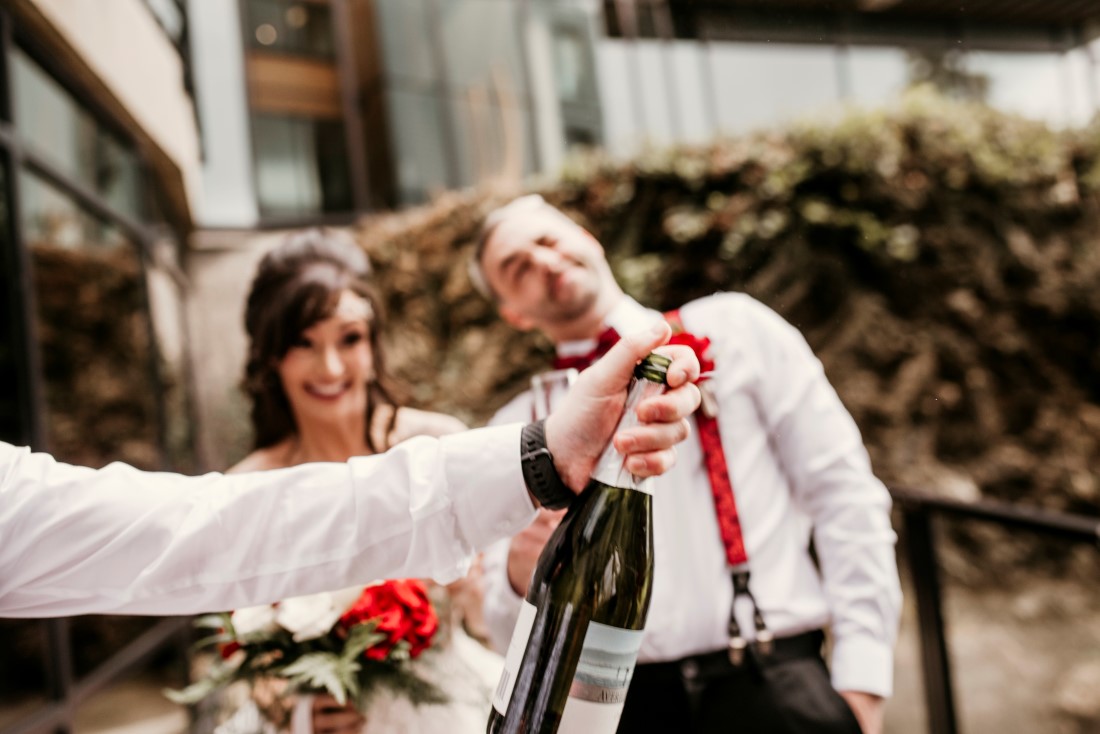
x=798, y=466
x=75, y=540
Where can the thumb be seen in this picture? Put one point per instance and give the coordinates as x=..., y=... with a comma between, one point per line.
x=613, y=371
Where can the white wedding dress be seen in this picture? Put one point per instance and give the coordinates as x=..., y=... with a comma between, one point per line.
x=463, y=669
x=466, y=672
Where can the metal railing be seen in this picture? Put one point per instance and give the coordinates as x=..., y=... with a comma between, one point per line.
x=67, y=692
x=917, y=510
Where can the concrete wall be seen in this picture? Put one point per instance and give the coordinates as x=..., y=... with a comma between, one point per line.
x=220, y=266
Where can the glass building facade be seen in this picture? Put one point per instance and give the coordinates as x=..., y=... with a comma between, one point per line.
x=676, y=71
x=459, y=92
x=482, y=90
x=299, y=134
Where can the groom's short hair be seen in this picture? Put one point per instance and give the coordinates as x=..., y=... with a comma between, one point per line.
x=493, y=219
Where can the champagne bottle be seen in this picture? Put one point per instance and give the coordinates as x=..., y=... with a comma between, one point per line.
x=576, y=641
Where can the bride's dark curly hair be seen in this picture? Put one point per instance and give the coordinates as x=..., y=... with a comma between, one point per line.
x=298, y=284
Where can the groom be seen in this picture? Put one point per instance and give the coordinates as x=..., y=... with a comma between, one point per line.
x=776, y=454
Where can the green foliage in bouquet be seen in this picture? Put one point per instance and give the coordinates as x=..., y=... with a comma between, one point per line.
x=348, y=644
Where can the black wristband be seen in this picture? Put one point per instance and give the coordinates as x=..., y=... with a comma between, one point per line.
x=539, y=473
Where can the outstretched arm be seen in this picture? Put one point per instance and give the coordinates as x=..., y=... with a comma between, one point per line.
x=75, y=540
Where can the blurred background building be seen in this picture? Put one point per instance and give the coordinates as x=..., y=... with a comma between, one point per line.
x=318, y=108
x=150, y=150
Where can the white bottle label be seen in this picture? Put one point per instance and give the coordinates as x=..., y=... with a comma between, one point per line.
x=514, y=656
x=600, y=683
x=603, y=676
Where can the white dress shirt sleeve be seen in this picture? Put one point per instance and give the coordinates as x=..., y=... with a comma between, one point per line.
x=502, y=604
x=823, y=455
x=75, y=540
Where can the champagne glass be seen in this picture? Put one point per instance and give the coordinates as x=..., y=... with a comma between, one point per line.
x=547, y=388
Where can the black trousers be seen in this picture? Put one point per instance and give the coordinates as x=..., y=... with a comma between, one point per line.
x=787, y=692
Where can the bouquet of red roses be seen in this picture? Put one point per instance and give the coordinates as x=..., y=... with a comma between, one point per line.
x=345, y=643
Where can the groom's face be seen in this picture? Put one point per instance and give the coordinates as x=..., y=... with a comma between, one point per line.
x=543, y=267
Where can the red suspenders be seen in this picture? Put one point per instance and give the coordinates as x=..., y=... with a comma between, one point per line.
x=714, y=457
x=725, y=504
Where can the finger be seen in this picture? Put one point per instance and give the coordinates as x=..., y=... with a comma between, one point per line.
x=335, y=710
x=338, y=720
x=612, y=373
x=684, y=367
x=670, y=406
x=651, y=464
x=549, y=518
x=346, y=721
x=653, y=437
x=352, y=728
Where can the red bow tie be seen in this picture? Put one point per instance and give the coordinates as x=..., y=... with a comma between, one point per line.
x=604, y=342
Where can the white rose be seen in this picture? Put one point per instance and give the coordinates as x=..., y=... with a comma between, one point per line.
x=307, y=617
x=253, y=619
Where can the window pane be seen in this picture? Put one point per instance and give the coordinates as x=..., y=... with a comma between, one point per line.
x=695, y=112
x=51, y=216
x=118, y=177
x=650, y=74
x=93, y=326
x=406, y=41
x=620, y=97
x=799, y=81
x=496, y=49
x=301, y=165
x=58, y=128
x=418, y=144
x=1029, y=84
x=287, y=26
x=877, y=75
x=1077, y=66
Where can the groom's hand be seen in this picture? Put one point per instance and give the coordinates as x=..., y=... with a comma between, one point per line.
x=578, y=431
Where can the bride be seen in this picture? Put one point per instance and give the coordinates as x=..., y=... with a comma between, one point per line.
x=319, y=390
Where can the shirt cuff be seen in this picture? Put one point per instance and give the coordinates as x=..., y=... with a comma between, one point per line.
x=486, y=483
x=863, y=663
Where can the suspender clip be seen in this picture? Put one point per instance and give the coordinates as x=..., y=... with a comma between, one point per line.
x=737, y=648
x=764, y=642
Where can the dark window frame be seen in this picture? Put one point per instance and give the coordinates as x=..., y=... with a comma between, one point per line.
x=269, y=216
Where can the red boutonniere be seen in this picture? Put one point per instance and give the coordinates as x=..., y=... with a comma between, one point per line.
x=700, y=345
